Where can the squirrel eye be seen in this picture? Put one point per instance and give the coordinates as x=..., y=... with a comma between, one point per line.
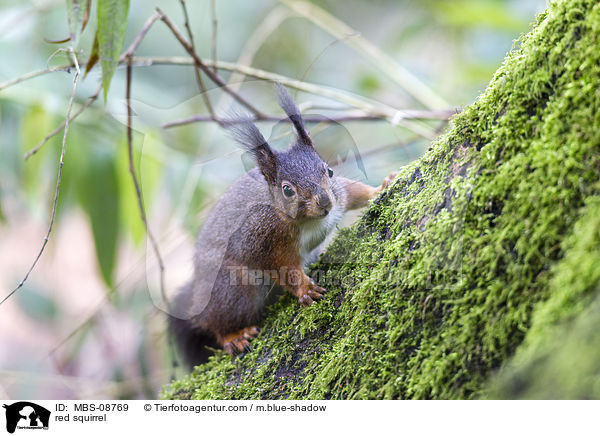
x=330, y=172
x=288, y=191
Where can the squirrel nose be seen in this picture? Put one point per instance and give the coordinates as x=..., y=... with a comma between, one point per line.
x=324, y=202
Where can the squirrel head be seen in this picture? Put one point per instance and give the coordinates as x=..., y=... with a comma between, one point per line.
x=299, y=180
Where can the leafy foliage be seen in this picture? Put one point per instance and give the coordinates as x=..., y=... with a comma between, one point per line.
x=112, y=24
x=98, y=193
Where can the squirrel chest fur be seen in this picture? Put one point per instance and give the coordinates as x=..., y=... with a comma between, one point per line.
x=262, y=232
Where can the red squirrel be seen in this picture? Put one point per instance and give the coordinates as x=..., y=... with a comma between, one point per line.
x=269, y=225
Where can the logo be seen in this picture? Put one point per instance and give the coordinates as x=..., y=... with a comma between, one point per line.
x=26, y=415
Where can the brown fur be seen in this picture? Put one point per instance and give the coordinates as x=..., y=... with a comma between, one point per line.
x=257, y=237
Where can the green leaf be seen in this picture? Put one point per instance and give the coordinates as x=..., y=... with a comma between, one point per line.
x=93, y=59
x=99, y=196
x=36, y=123
x=75, y=167
x=112, y=23
x=149, y=171
x=130, y=212
x=76, y=10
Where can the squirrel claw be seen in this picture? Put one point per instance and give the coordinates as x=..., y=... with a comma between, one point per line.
x=241, y=345
x=314, y=294
x=311, y=295
x=228, y=348
x=315, y=291
x=387, y=181
x=238, y=342
x=305, y=300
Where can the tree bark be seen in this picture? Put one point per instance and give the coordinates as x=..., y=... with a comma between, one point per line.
x=477, y=273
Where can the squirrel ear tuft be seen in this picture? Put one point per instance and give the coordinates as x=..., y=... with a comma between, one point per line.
x=248, y=136
x=291, y=109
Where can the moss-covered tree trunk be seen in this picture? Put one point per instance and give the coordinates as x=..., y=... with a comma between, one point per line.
x=478, y=272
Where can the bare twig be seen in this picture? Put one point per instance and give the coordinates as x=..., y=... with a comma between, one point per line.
x=57, y=51
x=393, y=115
x=136, y=184
x=418, y=115
x=311, y=88
x=34, y=74
x=213, y=16
x=379, y=111
x=199, y=80
x=243, y=70
x=370, y=112
x=275, y=118
x=58, y=179
x=140, y=36
x=211, y=75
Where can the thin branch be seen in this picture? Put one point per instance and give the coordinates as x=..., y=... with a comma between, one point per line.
x=57, y=51
x=136, y=184
x=275, y=118
x=58, y=179
x=211, y=75
x=379, y=111
x=34, y=74
x=393, y=115
x=213, y=16
x=243, y=70
x=140, y=36
x=418, y=115
x=196, y=65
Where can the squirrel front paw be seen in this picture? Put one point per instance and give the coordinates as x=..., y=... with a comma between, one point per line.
x=310, y=294
x=387, y=181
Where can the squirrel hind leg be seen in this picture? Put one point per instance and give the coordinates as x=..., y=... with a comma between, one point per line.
x=238, y=342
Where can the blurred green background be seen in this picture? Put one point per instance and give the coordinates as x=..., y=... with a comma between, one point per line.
x=87, y=323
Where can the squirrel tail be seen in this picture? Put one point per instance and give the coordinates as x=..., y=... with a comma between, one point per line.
x=191, y=342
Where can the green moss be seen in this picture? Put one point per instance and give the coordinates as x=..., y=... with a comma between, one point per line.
x=560, y=356
x=465, y=259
